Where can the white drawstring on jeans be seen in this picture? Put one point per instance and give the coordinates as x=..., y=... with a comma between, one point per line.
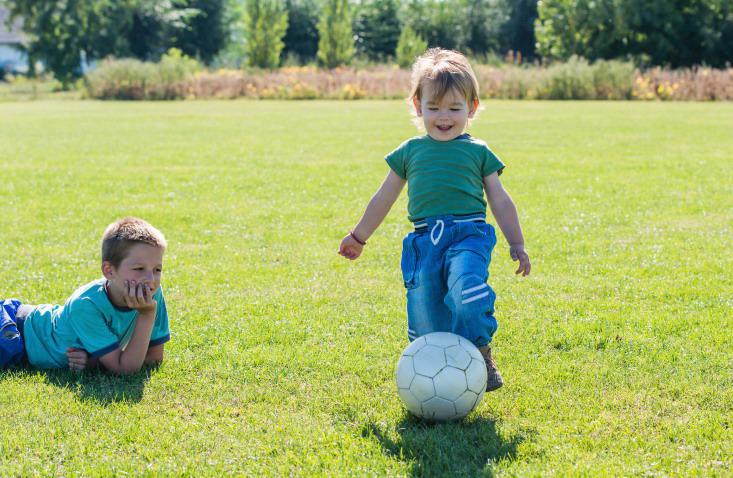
x=433, y=239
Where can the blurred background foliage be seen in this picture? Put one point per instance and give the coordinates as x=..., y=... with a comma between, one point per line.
x=69, y=38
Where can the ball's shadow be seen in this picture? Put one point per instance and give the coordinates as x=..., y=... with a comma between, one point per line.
x=462, y=448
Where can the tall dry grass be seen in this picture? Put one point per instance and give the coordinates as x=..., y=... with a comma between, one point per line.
x=575, y=79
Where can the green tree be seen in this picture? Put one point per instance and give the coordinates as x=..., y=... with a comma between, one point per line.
x=336, y=41
x=377, y=29
x=657, y=32
x=67, y=34
x=301, y=37
x=517, y=33
x=677, y=33
x=584, y=28
x=410, y=46
x=482, y=21
x=265, y=24
x=206, y=31
x=153, y=27
x=440, y=22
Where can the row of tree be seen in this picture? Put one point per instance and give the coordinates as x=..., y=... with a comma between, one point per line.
x=67, y=34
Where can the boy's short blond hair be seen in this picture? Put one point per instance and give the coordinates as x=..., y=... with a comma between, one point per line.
x=442, y=71
x=123, y=234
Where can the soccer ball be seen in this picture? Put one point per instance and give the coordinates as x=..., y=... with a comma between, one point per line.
x=441, y=376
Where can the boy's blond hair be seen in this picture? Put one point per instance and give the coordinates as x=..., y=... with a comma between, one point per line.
x=121, y=235
x=442, y=71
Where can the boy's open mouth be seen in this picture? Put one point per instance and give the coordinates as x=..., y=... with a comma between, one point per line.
x=444, y=128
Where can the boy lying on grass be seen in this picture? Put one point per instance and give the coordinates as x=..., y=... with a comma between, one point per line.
x=119, y=321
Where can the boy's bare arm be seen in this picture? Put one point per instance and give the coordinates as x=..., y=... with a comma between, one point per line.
x=140, y=297
x=505, y=213
x=155, y=354
x=132, y=358
x=376, y=211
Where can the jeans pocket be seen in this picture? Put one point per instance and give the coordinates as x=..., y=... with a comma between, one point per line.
x=476, y=237
x=410, y=261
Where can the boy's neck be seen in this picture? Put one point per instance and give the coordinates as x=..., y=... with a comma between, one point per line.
x=460, y=136
x=117, y=302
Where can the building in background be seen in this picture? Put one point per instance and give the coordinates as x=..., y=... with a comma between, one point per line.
x=12, y=42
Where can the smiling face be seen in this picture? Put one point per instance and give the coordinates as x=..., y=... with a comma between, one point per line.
x=445, y=118
x=143, y=264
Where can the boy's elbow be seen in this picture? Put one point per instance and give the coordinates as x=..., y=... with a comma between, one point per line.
x=120, y=368
x=154, y=361
x=127, y=370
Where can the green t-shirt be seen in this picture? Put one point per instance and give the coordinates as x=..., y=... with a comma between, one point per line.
x=88, y=320
x=444, y=177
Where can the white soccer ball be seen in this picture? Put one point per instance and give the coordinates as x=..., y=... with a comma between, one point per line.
x=441, y=376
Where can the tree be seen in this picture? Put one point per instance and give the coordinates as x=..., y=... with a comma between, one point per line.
x=336, y=41
x=66, y=34
x=587, y=28
x=265, y=24
x=483, y=20
x=440, y=22
x=653, y=32
x=206, y=31
x=154, y=27
x=517, y=33
x=677, y=33
x=301, y=37
x=410, y=46
x=377, y=29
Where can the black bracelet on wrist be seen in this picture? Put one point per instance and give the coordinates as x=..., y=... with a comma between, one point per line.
x=353, y=236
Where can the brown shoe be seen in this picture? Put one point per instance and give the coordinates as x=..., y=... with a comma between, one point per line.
x=493, y=377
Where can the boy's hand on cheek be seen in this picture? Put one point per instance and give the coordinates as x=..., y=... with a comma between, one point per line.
x=349, y=248
x=139, y=296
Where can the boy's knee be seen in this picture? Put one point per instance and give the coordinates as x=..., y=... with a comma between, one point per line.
x=471, y=291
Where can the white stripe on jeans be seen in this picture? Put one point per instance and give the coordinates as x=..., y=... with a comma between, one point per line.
x=474, y=289
x=475, y=297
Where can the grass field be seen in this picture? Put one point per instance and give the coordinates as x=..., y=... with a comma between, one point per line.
x=617, y=350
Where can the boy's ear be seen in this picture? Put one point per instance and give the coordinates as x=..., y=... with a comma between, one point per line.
x=473, y=109
x=416, y=104
x=107, y=269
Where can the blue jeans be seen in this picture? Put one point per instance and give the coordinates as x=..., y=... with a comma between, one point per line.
x=12, y=349
x=445, y=266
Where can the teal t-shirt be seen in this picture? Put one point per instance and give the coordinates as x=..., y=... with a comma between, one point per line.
x=444, y=177
x=89, y=321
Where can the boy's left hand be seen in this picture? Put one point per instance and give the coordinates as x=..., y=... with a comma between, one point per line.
x=78, y=358
x=519, y=254
x=350, y=248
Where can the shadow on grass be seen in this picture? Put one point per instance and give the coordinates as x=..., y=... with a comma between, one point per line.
x=463, y=448
x=97, y=386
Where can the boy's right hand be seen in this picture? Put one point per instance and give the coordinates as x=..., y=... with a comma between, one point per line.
x=349, y=248
x=78, y=358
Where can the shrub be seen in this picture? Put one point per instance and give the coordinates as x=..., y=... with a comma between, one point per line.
x=409, y=46
x=613, y=80
x=179, y=77
x=130, y=79
x=572, y=80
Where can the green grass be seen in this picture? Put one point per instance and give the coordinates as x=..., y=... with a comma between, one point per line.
x=616, y=351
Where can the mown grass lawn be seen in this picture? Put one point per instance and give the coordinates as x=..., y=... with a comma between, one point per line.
x=617, y=350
